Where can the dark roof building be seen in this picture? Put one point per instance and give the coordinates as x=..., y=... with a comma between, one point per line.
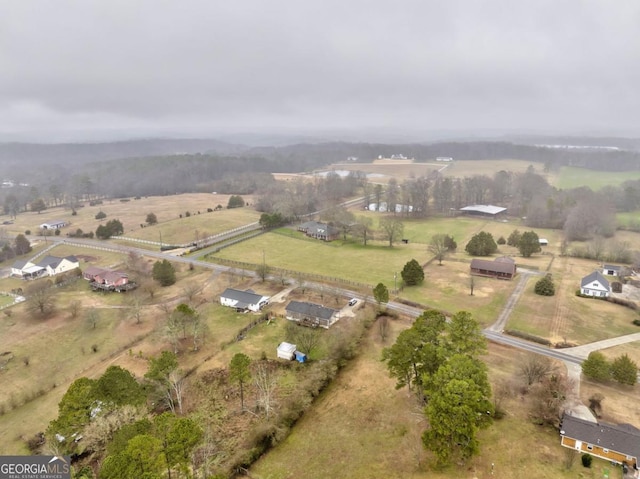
x=242, y=300
x=311, y=314
x=617, y=443
x=501, y=268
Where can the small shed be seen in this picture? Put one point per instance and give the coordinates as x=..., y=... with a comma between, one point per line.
x=543, y=241
x=286, y=351
x=300, y=356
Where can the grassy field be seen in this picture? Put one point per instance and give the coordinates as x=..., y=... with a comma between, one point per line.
x=571, y=177
x=133, y=213
x=378, y=433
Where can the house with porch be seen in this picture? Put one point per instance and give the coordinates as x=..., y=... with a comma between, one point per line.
x=311, y=314
x=247, y=300
x=616, y=443
x=595, y=284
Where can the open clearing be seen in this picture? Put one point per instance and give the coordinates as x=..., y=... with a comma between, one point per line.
x=572, y=177
x=133, y=213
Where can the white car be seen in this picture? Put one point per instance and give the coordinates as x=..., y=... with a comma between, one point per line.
x=353, y=301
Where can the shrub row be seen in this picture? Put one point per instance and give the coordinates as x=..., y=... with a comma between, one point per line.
x=528, y=336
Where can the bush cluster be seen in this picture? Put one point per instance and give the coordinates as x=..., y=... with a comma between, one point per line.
x=528, y=336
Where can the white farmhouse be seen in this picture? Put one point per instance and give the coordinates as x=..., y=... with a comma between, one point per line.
x=243, y=300
x=595, y=284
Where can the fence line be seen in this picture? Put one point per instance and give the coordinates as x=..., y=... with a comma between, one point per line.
x=290, y=273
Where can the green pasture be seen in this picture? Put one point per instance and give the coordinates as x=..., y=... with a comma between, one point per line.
x=467, y=168
x=573, y=177
x=197, y=226
x=628, y=219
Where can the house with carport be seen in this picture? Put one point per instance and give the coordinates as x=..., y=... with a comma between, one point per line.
x=616, y=443
x=247, y=300
x=596, y=285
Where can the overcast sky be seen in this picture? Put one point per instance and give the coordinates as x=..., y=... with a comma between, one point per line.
x=89, y=69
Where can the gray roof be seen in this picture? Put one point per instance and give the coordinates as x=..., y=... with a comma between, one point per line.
x=499, y=265
x=48, y=260
x=245, y=297
x=21, y=263
x=54, y=261
x=612, y=267
x=310, y=309
x=487, y=209
x=596, y=275
x=622, y=438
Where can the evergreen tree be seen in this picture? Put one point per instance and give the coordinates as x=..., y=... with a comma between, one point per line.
x=596, y=367
x=624, y=370
x=514, y=238
x=381, y=294
x=164, y=273
x=545, y=287
x=481, y=244
x=529, y=243
x=412, y=273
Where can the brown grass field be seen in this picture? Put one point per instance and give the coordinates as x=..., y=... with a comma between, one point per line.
x=133, y=213
x=379, y=431
x=378, y=434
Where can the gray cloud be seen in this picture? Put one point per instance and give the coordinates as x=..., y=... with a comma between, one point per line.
x=154, y=65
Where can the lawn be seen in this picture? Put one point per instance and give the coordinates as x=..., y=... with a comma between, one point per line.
x=573, y=177
x=567, y=316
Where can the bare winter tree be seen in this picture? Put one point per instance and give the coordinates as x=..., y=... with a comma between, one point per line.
x=135, y=302
x=266, y=381
x=534, y=368
x=392, y=228
x=438, y=247
x=41, y=300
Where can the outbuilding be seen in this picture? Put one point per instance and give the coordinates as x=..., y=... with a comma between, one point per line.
x=500, y=268
x=53, y=225
x=286, y=351
x=611, y=269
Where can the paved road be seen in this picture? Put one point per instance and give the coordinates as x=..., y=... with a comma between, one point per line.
x=493, y=333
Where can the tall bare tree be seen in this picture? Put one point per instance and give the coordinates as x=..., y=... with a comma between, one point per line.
x=392, y=228
x=266, y=381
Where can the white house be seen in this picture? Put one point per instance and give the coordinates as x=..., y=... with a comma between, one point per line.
x=18, y=268
x=54, y=265
x=243, y=300
x=286, y=351
x=595, y=284
x=444, y=158
x=53, y=225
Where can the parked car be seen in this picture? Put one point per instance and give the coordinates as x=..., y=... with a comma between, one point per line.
x=353, y=301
